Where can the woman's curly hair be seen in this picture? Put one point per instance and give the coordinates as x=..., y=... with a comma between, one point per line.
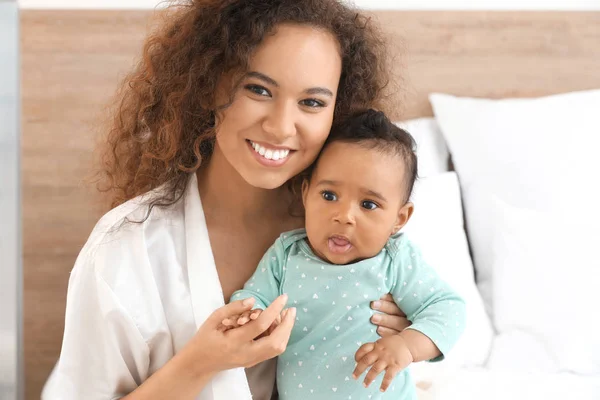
x=162, y=126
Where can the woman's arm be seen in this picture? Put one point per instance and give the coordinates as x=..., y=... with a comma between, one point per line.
x=181, y=378
x=104, y=356
x=213, y=350
x=103, y=353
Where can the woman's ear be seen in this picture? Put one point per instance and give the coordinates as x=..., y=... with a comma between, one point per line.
x=305, y=186
x=403, y=216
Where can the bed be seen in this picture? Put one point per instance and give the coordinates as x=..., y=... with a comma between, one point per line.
x=72, y=61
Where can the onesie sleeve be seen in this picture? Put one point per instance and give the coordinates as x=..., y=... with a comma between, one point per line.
x=265, y=283
x=432, y=306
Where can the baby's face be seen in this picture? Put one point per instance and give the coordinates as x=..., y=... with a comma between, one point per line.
x=354, y=202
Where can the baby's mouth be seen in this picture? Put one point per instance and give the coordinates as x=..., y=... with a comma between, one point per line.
x=339, y=244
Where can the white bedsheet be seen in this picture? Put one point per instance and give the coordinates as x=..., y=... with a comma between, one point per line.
x=482, y=384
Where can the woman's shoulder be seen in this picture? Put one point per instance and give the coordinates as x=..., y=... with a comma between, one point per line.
x=131, y=263
x=134, y=216
x=124, y=236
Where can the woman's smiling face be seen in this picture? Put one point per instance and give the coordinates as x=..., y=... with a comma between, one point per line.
x=283, y=110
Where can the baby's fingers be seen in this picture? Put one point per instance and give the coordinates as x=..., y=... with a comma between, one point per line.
x=230, y=322
x=245, y=317
x=390, y=374
x=263, y=322
x=364, y=363
x=248, y=316
x=255, y=313
x=375, y=370
x=363, y=350
x=233, y=309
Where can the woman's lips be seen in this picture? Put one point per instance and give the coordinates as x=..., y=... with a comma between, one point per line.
x=269, y=161
x=339, y=244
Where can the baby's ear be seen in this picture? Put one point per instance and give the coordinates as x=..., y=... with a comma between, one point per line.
x=305, y=186
x=404, y=215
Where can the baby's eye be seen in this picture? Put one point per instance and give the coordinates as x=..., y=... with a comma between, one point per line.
x=328, y=196
x=369, y=205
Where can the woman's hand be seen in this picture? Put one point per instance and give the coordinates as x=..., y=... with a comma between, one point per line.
x=247, y=345
x=391, y=320
x=214, y=348
x=239, y=320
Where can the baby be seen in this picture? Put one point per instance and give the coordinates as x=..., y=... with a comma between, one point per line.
x=356, y=201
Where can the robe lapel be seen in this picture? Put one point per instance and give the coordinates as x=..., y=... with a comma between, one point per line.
x=205, y=289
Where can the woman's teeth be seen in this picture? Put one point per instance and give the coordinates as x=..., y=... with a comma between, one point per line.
x=270, y=154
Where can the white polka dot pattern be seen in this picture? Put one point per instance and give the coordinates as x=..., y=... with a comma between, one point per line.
x=333, y=319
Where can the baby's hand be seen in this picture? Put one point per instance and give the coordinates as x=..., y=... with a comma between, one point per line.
x=236, y=321
x=389, y=353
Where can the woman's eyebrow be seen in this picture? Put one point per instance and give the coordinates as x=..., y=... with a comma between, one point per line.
x=273, y=82
x=262, y=77
x=319, y=90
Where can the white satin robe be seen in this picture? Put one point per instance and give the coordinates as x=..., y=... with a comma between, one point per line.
x=137, y=294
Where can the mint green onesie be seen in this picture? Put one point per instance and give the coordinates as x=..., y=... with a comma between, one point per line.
x=333, y=312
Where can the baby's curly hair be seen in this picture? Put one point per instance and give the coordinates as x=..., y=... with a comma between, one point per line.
x=163, y=125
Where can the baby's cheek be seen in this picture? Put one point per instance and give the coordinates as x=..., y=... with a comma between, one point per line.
x=373, y=243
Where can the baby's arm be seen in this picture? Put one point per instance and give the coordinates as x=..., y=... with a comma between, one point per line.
x=436, y=311
x=263, y=286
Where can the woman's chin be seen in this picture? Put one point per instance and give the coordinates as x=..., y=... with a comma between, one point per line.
x=267, y=181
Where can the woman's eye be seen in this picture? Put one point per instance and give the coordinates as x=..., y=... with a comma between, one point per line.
x=369, y=205
x=313, y=103
x=259, y=90
x=328, y=196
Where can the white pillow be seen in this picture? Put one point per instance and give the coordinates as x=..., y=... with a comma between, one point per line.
x=534, y=153
x=433, y=156
x=546, y=273
x=437, y=228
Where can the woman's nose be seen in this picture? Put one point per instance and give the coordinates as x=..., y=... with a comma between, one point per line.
x=280, y=123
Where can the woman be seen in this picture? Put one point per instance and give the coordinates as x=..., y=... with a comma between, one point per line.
x=231, y=100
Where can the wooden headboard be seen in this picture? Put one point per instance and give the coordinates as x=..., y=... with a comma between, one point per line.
x=72, y=61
